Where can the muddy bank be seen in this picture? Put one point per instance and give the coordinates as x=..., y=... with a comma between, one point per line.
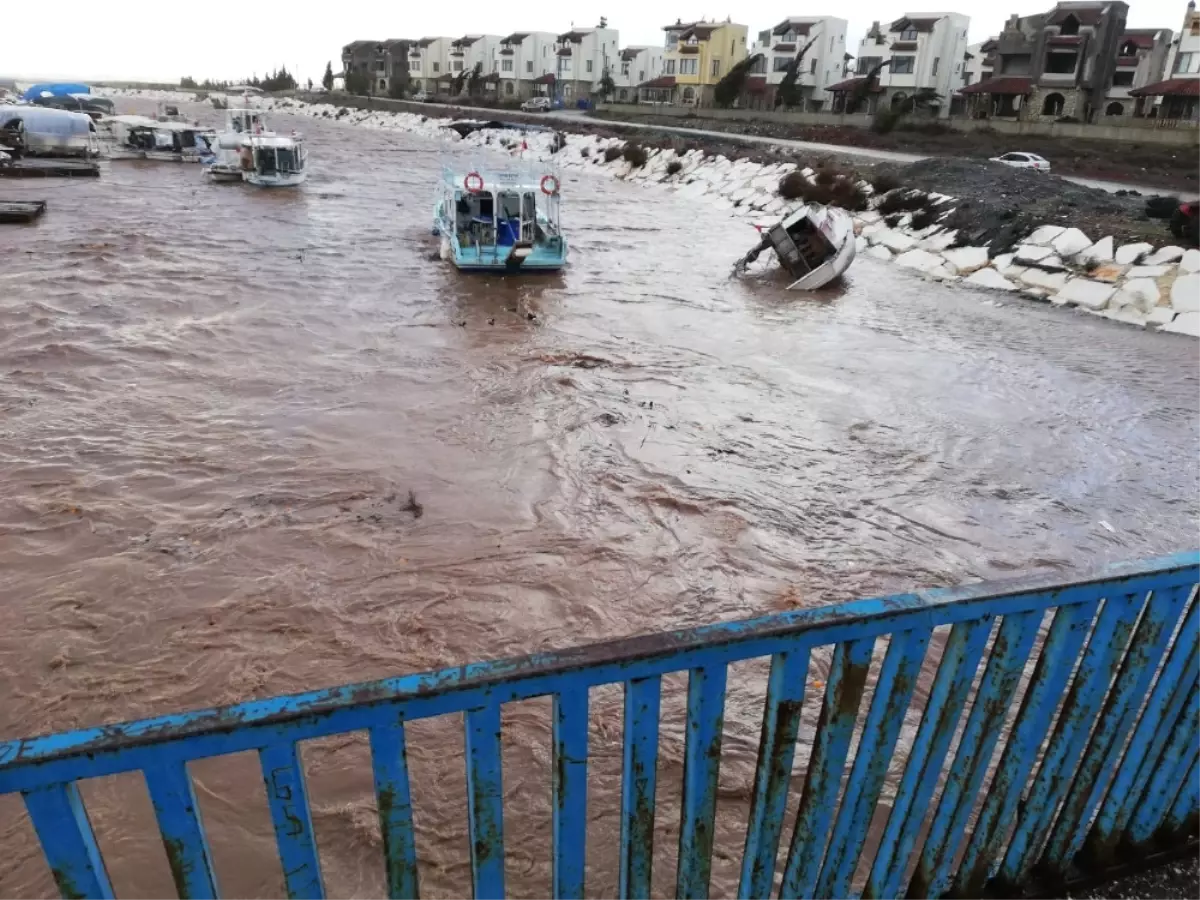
x=1172, y=168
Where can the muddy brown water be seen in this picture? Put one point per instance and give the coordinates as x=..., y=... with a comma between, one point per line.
x=216, y=401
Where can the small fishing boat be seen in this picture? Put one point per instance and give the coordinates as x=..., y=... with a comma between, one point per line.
x=814, y=243
x=246, y=150
x=139, y=137
x=501, y=219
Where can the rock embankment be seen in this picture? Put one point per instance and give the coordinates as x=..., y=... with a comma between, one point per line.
x=1022, y=233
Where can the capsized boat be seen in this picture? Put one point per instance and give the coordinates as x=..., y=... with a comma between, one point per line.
x=501, y=219
x=246, y=150
x=814, y=243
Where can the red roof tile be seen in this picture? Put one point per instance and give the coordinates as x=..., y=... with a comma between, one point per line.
x=1005, y=84
x=1172, y=87
x=844, y=87
x=662, y=81
x=923, y=25
x=548, y=78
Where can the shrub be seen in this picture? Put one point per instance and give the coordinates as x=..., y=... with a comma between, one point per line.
x=933, y=129
x=827, y=176
x=674, y=167
x=585, y=152
x=635, y=155
x=885, y=120
x=902, y=201
x=922, y=218
x=612, y=152
x=793, y=186
x=558, y=142
x=893, y=220
x=884, y=182
x=681, y=150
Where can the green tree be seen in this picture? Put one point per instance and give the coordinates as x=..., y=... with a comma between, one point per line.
x=475, y=81
x=858, y=96
x=357, y=83
x=607, y=86
x=729, y=88
x=787, y=94
x=327, y=78
x=187, y=82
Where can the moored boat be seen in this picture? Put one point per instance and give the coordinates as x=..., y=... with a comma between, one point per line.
x=501, y=219
x=814, y=243
x=246, y=150
x=139, y=137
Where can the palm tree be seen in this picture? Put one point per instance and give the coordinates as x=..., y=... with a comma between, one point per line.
x=787, y=94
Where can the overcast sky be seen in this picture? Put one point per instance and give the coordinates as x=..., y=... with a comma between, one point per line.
x=155, y=40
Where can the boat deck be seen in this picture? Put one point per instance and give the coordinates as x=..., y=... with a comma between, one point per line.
x=17, y=212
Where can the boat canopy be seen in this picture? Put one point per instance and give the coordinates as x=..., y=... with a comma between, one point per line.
x=55, y=89
x=42, y=120
x=516, y=177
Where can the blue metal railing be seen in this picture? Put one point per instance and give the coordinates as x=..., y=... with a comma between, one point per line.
x=1099, y=754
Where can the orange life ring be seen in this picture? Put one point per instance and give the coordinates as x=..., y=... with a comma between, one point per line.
x=473, y=182
x=552, y=180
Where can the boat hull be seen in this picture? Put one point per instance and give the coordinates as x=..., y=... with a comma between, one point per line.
x=541, y=257
x=292, y=179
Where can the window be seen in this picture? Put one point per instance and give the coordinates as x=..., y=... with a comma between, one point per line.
x=831, y=42
x=732, y=47
x=1194, y=26
x=1053, y=105
x=689, y=95
x=1062, y=63
x=908, y=34
x=414, y=65
x=589, y=65
x=1187, y=62
x=867, y=63
x=437, y=67
x=564, y=65
x=623, y=95
x=812, y=69
x=716, y=68
x=1070, y=26
x=759, y=66
x=967, y=76
x=669, y=67
x=902, y=65
x=508, y=88
x=529, y=67
x=781, y=63
x=1129, y=48
x=506, y=65
x=458, y=65
x=689, y=66
x=625, y=68
x=933, y=72
x=1123, y=78
x=1114, y=109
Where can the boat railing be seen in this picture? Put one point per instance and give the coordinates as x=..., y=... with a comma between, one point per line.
x=1058, y=725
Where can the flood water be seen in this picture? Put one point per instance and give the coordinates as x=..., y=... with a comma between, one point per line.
x=216, y=402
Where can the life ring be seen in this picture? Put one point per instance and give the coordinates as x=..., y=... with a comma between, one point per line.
x=553, y=190
x=473, y=182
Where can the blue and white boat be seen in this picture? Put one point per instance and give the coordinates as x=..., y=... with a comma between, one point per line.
x=501, y=219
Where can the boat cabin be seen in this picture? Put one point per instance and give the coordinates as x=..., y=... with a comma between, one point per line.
x=496, y=211
x=274, y=155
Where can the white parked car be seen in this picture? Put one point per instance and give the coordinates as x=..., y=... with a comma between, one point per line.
x=422, y=97
x=1024, y=161
x=536, y=104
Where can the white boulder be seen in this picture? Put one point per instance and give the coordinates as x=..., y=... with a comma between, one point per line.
x=894, y=240
x=879, y=252
x=1099, y=252
x=1129, y=253
x=923, y=261
x=1184, y=323
x=1160, y=315
x=868, y=216
x=990, y=278
x=1086, y=293
x=965, y=260
x=1140, y=293
x=1189, y=262
x=1164, y=255
x=1032, y=253
x=1185, y=294
x=1046, y=234
x=1003, y=261
x=1130, y=315
x=860, y=244
x=939, y=240
x=1071, y=242
x=1051, y=281
x=1148, y=271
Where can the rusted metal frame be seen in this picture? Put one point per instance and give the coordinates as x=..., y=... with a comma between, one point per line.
x=1171, y=767
x=701, y=771
x=1106, y=645
x=319, y=713
x=1116, y=721
x=956, y=670
x=1029, y=733
x=485, y=801
x=62, y=827
x=393, y=800
x=831, y=744
x=893, y=692
x=638, y=781
x=776, y=751
x=1181, y=672
x=1187, y=804
x=1011, y=649
x=570, y=791
x=183, y=837
x=287, y=799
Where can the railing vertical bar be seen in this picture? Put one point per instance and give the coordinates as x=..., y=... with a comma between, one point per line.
x=393, y=798
x=1188, y=801
x=287, y=799
x=70, y=848
x=776, y=751
x=1116, y=719
x=1104, y=649
x=1145, y=747
x=956, y=671
x=639, y=777
x=1174, y=763
x=174, y=799
x=893, y=692
x=831, y=744
x=1059, y=652
x=485, y=801
x=701, y=772
x=1000, y=679
x=570, y=790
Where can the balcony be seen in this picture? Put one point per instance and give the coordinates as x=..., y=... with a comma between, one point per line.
x=564, y=51
x=784, y=47
x=689, y=48
x=507, y=51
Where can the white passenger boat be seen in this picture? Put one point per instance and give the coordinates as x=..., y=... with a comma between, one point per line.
x=815, y=244
x=246, y=150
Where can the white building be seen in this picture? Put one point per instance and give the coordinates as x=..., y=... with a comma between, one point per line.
x=1178, y=97
x=583, y=55
x=821, y=67
x=429, y=60
x=526, y=58
x=637, y=66
x=980, y=62
x=471, y=50
x=926, y=53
